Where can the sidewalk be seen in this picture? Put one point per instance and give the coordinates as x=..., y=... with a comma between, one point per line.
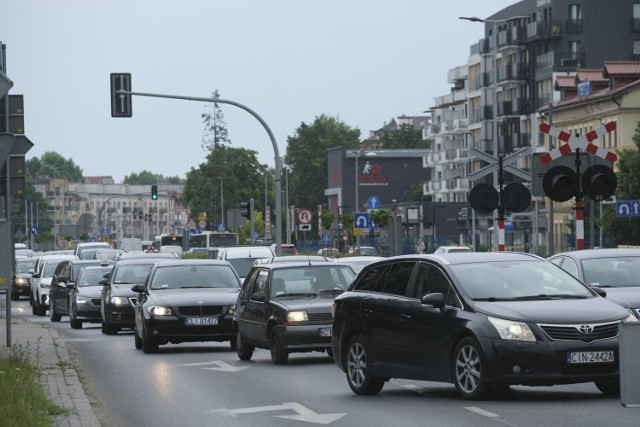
x=59, y=377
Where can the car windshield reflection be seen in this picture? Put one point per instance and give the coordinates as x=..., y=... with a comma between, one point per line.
x=192, y=276
x=310, y=281
x=518, y=281
x=612, y=272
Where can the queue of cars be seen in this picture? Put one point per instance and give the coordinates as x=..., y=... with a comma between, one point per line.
x=481, y=321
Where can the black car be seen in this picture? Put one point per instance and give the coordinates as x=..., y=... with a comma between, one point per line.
x=482, y=321
x=186, y=301
x=85, y=296
x=118, y=300
x=63, y=281
x=616, y=271
x=286, y=307
x=22, y=278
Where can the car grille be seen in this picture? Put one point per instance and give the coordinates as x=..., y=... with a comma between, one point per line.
x=200, y=310
x=583, y=332
x=96, y=301
x=320, y=317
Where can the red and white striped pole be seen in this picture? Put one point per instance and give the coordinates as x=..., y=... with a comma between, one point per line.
x=579, y=224
x=501, y=244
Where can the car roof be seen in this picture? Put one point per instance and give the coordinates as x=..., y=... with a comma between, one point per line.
x=472, y=257
x=300, y=264
x=600, y=253
x=183, y=262
x=141, y=261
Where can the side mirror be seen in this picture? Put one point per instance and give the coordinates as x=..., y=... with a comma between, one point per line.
x=70, y=285
x=63, y=279
x=104, y=282
x=599, y=291
x=436, y=300
x=138, y=288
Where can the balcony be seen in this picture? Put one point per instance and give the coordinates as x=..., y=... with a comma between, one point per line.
x=514, y=71
x=544, y=30
x=512, y=37
x=573, y=26
x=430, y=131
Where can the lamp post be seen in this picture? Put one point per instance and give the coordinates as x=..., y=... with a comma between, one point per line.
x=221, y=200
x=494, y=112
x=433, y=225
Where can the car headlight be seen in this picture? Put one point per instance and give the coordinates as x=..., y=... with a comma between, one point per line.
x=82, y=299
x=21, y=281
x=231, y=310
x=512, y=330
x=158, y=310
x=631, y=317
x=297, y=316
x=119, y=301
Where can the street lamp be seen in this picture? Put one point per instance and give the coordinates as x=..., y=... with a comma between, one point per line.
x=433, y=225
x=221, y=200
x=494, y=109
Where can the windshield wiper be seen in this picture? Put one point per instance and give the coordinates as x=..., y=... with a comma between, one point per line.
x=547, y=297
x=289, y=294
x=332, y=291
x=492, y=299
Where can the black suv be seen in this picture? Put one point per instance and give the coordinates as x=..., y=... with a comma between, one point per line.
x=286, y=307
x=482, y=321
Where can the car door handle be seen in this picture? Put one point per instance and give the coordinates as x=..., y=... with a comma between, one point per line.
x=405, y=317
x=367, y=311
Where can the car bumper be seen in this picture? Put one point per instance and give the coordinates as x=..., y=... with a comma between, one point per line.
x=305, y=337
x=121, y=316
x=22, y=289
x=546, y=363
x=88, y=312
x=173, y=329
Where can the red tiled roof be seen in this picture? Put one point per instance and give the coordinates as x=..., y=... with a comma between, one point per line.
x=621, y=68
x=565, y=82
x=592, y=74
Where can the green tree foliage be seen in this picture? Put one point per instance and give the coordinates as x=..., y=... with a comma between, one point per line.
x=242, y=178
x=326, y=219
x=380, y=217
x=53, y=165
x=625, y=231
x=215, y=128
x=405, y=137
x=307, y=158
x=36, y=205
x=147, y=178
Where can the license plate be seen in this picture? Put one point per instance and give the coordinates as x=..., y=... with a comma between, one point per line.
x=201, y=321
x=589, y=357
x=325, y=332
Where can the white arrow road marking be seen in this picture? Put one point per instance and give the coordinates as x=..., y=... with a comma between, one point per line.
x=481, y=412
x=304, y=414
x=222, y=366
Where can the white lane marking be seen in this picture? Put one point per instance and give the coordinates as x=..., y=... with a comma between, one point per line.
x=303, y=413
x=482, y=412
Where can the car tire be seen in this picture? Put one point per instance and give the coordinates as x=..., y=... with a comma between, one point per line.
x=34, y=309
x=148, y=344
x=468, y=373
x=330, y=352
x=609, y=387
x=75, y=324
x=53, y=315
x=41, y=310
x=359, y=363
x=110, y=330
x=15, y=295
x=244, y=350
x=279, y=355
x=103, y=328
x=137, y=340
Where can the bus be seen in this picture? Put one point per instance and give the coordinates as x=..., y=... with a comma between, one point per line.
x=214, y=239
x=167, y=240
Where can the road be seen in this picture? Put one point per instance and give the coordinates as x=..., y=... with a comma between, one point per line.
x=206, y=384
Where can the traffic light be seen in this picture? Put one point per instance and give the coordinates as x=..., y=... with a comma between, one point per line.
x=139, y=214
x=154, y=192
x=598, y=182
x=247, y=209
x=560, y=183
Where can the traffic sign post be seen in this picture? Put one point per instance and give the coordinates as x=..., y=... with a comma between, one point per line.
x=561, y=183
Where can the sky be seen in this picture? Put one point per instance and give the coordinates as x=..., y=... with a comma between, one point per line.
x=290, y=61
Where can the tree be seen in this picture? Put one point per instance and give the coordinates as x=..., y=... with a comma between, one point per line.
x=147, y=178
x=406, y=136
x=326, y=219
x=380, y=217
x=53, y=165
x=215, y=128
x=307, y=157
x=625, y=231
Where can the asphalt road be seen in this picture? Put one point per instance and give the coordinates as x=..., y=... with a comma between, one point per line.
x=206, y=384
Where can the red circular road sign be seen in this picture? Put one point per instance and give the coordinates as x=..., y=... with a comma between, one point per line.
x=305, y=216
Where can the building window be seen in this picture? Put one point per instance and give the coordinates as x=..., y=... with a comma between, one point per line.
x=574, y=24
x=635, y=20
x=636, y=47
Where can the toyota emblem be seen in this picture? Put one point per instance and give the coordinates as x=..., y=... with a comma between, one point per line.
x=585, y=329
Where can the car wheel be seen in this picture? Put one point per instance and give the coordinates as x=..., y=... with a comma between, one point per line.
x=15, y=295
x=148, y=345
x=41, y=310
x=53, y=315
x=34, y=309
x=103, y=328
x=244, y=350
x=75, y=324
x=233, y=343
x=468, y=374
x=330, y=352
x=279, y=355
x=359, y=364
x=609, y=387
x=110, y=330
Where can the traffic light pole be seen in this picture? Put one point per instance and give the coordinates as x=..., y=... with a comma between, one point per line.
x=501, y=239
x=579, y=206
x=278, y=166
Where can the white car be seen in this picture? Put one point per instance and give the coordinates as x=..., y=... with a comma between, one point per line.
x=242, y=258
x=41, y=281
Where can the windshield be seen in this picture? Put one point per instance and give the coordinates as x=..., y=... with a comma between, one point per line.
x=49, y=268
x=513, y=280
x=25, y=266
x=242, y=265
x=310, y=280
x=131, y=274
x=91, y=276
x=194, y=276
x=615, y=272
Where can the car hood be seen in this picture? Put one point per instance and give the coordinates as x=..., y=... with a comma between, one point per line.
x=315, y=304
x=90, y=291
x=590, y=310
x=208, y=296
x=628, y=297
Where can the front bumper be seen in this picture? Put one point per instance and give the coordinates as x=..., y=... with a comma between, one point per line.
x=88, y=311
x=173, y=329
x=545, y=362
x=120, y=315
x=305, y=337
